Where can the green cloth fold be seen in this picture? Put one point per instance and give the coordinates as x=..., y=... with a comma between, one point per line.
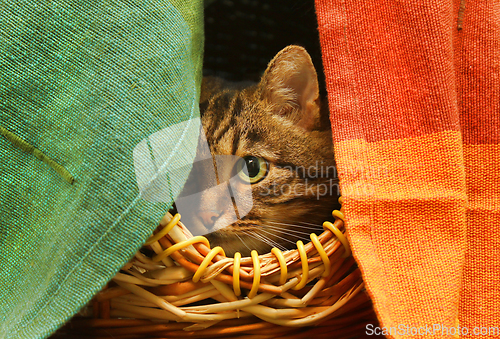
x=82, y=83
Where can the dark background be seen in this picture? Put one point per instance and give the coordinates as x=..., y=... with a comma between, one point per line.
x=242, y=36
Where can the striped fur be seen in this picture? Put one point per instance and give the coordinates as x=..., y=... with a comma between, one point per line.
x=281, y=120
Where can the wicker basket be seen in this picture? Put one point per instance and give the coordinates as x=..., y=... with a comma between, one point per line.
x=190, y=290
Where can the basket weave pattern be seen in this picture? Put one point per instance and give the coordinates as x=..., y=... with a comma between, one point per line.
x=190, y=290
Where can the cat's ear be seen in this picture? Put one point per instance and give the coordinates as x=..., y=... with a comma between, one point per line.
x=290, y=84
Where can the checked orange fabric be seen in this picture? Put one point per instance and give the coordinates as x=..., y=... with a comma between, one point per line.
x=414, y=104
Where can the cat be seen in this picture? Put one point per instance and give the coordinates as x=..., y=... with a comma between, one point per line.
x=272, y=142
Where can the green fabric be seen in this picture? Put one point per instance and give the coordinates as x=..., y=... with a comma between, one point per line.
x=82, y=83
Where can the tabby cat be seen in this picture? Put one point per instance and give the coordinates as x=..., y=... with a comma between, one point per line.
x=272, y=142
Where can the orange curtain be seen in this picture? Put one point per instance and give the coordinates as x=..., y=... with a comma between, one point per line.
x=414, y=103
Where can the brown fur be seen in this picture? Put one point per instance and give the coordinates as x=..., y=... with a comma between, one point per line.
x=282, y=120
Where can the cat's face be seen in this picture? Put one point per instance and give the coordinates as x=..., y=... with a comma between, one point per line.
x=267, y=178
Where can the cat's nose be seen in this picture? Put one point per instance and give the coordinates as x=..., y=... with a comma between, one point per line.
x=209, y=217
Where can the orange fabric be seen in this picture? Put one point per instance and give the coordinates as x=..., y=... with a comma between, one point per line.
x=480, y=293
x=415, y=110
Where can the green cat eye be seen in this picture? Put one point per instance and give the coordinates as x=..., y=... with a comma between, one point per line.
x=257, y=169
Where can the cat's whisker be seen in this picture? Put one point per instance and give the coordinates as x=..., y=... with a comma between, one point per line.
x=277, y=236
x=256, y=240
x=296, y=237
x=243, y=242
x=277, y=231
x=290, y=230
x=255, y=236
x=311, y=226
x=267, y=240
x=252, y=238
x=282, y=229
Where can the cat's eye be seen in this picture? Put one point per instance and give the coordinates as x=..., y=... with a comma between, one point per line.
x=256, y=169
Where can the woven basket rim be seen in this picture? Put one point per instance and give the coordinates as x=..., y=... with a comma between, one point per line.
x=317, y=283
